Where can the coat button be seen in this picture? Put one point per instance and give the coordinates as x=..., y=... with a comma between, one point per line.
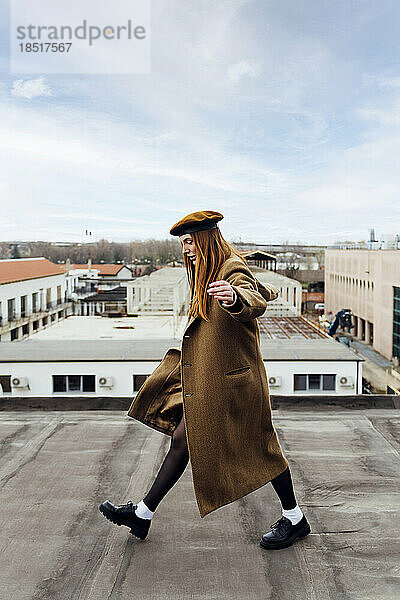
x=189, y=394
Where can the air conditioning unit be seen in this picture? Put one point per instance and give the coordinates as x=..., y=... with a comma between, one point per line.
x=106, y=381
x=274, y=381
x=346, y=381
x=20, y=382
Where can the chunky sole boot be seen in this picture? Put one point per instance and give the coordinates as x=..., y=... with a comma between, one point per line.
x=125, y=515
x=283, y=534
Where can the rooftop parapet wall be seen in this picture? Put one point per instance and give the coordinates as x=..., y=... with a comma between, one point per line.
x=295, y=403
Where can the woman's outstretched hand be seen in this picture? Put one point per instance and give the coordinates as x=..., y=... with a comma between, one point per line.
x=222, y=290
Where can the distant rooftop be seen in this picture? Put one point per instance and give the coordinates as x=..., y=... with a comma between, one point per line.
x=275, y=279
x=103, y=269
x=154, y=349
x=22, y=269
x=258, y=255
x=85, y=350
x=306, y=349
x=284, y=328
x=108, y=328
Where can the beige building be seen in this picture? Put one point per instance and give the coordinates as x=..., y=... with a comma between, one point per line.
x=368, y=283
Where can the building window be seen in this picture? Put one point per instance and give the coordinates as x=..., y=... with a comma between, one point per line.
x=5, y=383
x=14, y=334
x=23, y=306
x=35, y=304
x=11, y=309
x=300, y=382
x=313, y=381
x=35, y=325
x=329, y=382
x=25, y=329
x=74, y=383
x=138, y=381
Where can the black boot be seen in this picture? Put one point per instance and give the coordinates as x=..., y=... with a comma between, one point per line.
x=125, y=515
x=283, y=533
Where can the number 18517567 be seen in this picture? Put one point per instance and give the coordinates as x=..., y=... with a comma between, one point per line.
x=45, y=47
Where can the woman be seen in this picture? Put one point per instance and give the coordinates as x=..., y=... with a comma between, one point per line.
x=211, y=395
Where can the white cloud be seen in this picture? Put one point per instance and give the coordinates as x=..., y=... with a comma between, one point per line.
x=31, y=88
x=104, y=217
x=389, y=115
x=242, y=69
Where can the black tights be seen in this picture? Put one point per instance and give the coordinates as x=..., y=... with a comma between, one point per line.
x=176, y=461
x=172, y=468
x=283, y=486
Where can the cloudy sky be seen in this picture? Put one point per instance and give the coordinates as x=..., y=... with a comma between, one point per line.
x=284, y=115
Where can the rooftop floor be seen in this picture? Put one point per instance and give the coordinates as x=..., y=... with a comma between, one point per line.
x=115, y=328
x=55, y=468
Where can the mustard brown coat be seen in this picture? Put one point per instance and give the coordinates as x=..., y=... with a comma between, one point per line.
x=217, y=379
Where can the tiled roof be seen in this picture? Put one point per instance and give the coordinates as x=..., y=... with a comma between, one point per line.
x=19, y=269
x=103, y=269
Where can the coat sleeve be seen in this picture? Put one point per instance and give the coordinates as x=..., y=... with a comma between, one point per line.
x=249, y=304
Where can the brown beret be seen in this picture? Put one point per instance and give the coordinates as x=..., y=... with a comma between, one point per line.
x=197, y=221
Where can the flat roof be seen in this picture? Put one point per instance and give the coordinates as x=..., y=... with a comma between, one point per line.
x=345, y=470
x=85, y=350
x=118, y=328
x=154, y=349
x=272, y=277
x=162, y=326
x=320, y=349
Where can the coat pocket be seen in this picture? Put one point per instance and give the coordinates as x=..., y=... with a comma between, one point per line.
x=238, y=380
x=238, y=371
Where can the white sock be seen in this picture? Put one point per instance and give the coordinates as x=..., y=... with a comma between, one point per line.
x=143, y=511
x=294, y=514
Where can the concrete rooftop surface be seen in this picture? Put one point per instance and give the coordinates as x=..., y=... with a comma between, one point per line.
x=110, y=328
x=56, y=467
x=35, y=350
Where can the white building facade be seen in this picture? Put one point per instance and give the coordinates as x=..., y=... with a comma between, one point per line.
x=117, y=368
x=34, y=293
x=288, y=303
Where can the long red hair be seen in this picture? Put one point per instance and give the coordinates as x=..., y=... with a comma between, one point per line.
x=212, y=250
